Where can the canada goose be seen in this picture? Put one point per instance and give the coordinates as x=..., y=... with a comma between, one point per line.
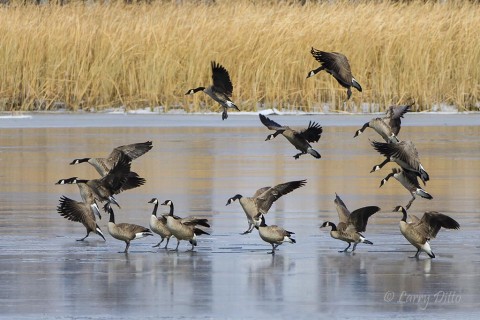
x=273, y=234
x=125, y=231
x=130, y=151
x=159, y=224
x=337, y=65
x=420, y=231
x=263, y=199
x=350, y=224
x=80, y=212
x=85, y=192
x=184, y=229
x=404, y=154
x=104, y=188
x=409, y=180
x=299, y=139
x=389, y=126
x=221, y=90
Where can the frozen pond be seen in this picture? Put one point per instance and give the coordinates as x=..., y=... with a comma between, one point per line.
x=199, y=161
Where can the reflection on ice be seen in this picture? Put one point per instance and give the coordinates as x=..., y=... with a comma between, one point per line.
x=199, y=162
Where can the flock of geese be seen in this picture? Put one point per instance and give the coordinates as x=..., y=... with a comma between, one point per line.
x=116, y=177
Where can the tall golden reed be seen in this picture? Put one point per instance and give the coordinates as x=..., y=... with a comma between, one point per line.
x=145, y=55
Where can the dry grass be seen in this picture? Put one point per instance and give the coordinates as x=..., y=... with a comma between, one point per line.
x=142, y=55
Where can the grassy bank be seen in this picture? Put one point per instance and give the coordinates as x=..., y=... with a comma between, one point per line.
x=83, y=56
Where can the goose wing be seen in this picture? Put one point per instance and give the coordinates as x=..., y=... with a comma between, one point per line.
x=394, y=115
x=132, y=151
x=343, y=212
x=74, y=210
x=432, y=221
x=267, y=198
x=115, y=179
x=270, y=124
x=133, y=228
x=132, y=181
x=336, y=64
x=221, y=79
x=410, y=179
x=193, y=221
x=358, y=218
x=260, y=191
x=382, y=128
x=397, y=112
x=414, y=218
x=312, y=133
x=405, y=151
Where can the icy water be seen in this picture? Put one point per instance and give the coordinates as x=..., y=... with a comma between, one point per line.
x=199, y=162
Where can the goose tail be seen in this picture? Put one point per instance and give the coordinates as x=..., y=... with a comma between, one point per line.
x=314, y=153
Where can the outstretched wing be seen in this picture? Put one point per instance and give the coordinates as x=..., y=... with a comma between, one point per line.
x=312, y=133
x=260, y=191
x=266, y=199
x=336, y=64
x=394, y=115
x=115, y=179
x=132, y=151
x=397, y=112
x=432, y=221
x=343, y=213
x=221, y=79
x=270, y=124
x=405, y=151
x=359, y=218
x=74, y=210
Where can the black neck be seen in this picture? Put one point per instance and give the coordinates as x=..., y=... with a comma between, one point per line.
x=334, y=227
x=81, y=181
x=404, y=218
x=112, y=215
x=155, y=209
x=237, y=197
x=277, y=133
x=315, y=71
x=171, y=210
x=365, y=126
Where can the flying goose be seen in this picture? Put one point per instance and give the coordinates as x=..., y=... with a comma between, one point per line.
x=85, y=192
x=404, y=154
x=104, y=188
x=125, y=231
x=273, y=234
x=263, y=199
x=299, y=139
x=159, y=224
x=408, y=179
x=389, y=126
x=221, y=90
x=130, y=151
x=337, y=65
x=184, y=229
x=419, y=231
x=350, y=224
x=80, y=212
